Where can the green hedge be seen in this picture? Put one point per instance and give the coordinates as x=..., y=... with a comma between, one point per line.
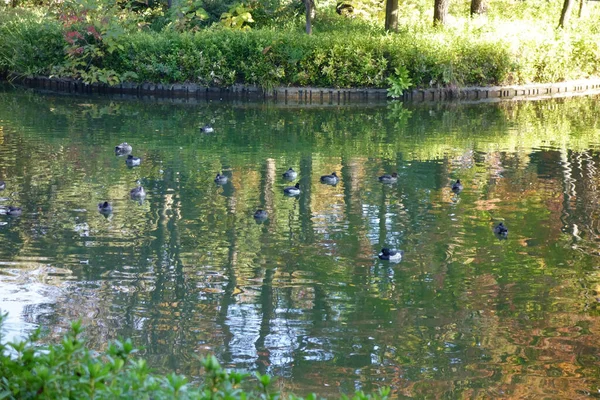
x=69, y=370
x=220, y=57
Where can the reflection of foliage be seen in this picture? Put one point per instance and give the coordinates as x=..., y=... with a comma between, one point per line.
x=183, y=266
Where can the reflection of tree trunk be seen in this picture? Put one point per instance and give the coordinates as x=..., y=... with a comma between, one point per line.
x=391, y=15
x=357, y=228
x=266, y=301
x=440, y=12
x=267, y=192
x=565, y=13
x=229, y=292
x=305, y=207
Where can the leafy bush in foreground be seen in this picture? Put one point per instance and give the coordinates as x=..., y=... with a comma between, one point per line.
x=69, y=370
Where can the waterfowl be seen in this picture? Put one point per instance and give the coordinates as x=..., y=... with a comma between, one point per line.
x=14, y=211
x=132, y=161
x=105, y=208
x=290, y=174
x=260, y=214
x=292, y=190
x=330, y=179
x=2, y=185
x=501, y=230
x=391, y=255
x=207, y=129
x=221, y=179
x=457, y=186
x=123, y=148
x=137, y=192
x=393, y=178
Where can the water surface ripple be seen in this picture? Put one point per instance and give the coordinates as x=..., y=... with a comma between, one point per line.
x=302, y=295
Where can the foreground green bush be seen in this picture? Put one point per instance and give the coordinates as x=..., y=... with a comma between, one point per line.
x=69, y=370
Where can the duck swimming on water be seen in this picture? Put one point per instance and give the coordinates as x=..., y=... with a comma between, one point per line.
x=393, y=178
x=207, y=129
x=260, y=214
x=132, y=161
x=123, y=148
x=292, y=190
x=330, y=179
x=137, y=192
x=105, y=208
x=14, y=211
x=290, y=174
x=501, y=230
x=221, y=179
x=457, y=186
x=391, y=255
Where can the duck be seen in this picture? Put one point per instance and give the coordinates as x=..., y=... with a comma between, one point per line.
x=260, y=214
x=123, y=148
x=132, y=161
x=221, y=179
x=137, y=192
x=105, y=208
x=14, y=211
x=292, y=190
x=290, y=174
x=330, y=179
x=501, y=230
x=207, y=129
x=391, y=255
x=2, y=185
x=393, y=178
x=457, y=186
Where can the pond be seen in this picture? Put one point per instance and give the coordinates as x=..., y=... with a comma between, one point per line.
x=302, y=295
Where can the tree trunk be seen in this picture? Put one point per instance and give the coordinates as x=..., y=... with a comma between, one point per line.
x=310, y=6
x=478, y=7
x=440, y=12
x=391, y=15
x=581, y=8
x=565, y=13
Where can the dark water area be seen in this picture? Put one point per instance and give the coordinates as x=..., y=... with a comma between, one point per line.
x=302, y=295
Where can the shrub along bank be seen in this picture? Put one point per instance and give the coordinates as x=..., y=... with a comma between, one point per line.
x=32, y=43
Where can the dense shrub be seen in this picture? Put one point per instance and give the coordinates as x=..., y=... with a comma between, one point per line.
x=69, y=370
x=474, y=54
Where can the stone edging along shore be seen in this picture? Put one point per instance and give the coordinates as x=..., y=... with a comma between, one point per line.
x=309, y=95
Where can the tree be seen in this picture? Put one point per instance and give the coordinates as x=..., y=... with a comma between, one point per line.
x=565, y=13
x=310, y=14
x=478, y=7
x=391, y=15
x=440, y=12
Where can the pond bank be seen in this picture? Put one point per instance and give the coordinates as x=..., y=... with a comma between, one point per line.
x=312, y=95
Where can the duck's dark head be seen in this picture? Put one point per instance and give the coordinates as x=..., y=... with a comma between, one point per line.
x=291, y=169
x=297, y=186
x=129, y=157
x=385, y=251
x=395, y=175
x=105, y=204
x=334, y=174
x=458, y=181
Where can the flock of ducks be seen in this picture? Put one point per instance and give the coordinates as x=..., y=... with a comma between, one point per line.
x=138, y=193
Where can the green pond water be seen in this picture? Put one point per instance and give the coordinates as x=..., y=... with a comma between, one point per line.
x=303, y=296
